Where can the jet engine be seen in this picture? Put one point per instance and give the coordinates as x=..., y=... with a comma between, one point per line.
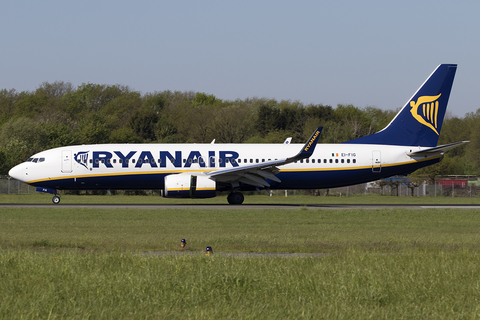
x=188, y=185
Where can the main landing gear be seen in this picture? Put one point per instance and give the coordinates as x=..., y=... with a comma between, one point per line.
x=235, y=198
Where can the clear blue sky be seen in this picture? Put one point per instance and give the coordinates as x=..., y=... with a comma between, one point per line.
x=365, y=53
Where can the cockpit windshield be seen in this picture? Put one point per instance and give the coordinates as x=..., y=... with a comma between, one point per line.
x=35, y=160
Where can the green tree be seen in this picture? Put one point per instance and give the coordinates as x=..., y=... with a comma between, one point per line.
x=8, y=99
x=30, y=104
x=143, y=124
x=94, y=130
x=20, y=138
x=231, y=124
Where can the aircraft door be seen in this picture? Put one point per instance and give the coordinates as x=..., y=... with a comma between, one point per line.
x=376, y=161
x=66, y=161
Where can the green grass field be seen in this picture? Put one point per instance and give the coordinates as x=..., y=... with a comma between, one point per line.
x=90, y=263
x=251, y=199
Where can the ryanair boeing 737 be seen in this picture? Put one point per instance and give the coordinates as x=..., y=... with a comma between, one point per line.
x=407, y=143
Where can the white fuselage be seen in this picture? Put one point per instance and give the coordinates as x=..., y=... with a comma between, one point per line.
x=144, y=166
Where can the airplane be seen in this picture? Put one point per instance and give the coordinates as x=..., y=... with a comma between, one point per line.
x=407, y=143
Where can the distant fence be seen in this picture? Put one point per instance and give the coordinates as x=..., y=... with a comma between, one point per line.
x=12, y=186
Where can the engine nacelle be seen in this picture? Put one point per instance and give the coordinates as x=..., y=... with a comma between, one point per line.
x=188, y=185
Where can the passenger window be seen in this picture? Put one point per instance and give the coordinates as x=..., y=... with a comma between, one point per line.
x=103, y=160
x=184, y=160
x=324, y=160
x=108, y=161
x=133, y=160
x=159, y=161
x=348, y=160
x=239, y=160
x=336, y=160
x=96, y=161
x=251, y=160
x=307, y=160
x=152, y=161
x=354, y=160
x=343, y=161
x=313, y=160
x=301, y=161
x=331, y=161
x=140, y=160
x=227, y=161
x=120, y=160
x=114, y=160
x=263, y=160
x=91, y=160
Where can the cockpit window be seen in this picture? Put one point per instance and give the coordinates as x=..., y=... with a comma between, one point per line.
x=41, y=159
x=35, y=160
x=29, y=159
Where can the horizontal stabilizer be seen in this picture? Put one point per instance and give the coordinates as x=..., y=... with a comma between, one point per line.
x=438, y=149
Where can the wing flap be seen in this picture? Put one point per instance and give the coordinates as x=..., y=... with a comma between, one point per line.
x=256, y=174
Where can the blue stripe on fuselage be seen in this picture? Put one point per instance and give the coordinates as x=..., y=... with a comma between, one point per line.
x=311, y=179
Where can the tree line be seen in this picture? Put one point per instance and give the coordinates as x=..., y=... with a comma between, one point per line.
x=59, y=114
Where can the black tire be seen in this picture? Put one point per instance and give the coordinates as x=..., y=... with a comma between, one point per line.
x=56, y=199
x=235, y=198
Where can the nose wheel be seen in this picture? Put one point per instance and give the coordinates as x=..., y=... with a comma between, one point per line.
x=56, y=199
x=235, y=198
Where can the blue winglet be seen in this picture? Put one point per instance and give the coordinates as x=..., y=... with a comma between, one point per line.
x=309, y=147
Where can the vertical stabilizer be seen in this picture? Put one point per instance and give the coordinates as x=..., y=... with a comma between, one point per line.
x=419, y=122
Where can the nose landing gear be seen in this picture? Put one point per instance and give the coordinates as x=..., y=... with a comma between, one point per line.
x=56, y=199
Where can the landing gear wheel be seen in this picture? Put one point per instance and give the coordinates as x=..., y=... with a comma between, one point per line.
x=235, y=198
x=56, y=199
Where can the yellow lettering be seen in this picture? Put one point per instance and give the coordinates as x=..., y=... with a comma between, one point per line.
x=311, y=140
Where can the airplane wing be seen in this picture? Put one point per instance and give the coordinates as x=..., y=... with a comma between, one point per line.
x=437, y=149
x=256, y=174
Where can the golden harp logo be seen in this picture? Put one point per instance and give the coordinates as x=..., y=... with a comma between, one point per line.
x=425, y=111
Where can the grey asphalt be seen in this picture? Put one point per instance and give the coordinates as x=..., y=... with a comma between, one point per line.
x=233, y=207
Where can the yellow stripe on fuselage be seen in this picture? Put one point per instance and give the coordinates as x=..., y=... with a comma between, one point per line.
x=211, y=170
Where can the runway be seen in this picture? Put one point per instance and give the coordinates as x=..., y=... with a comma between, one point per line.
x=236, y=207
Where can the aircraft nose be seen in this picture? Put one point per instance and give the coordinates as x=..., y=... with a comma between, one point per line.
x=16, y=172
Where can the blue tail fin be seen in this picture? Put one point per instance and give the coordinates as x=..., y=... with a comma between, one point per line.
x=420, y=120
